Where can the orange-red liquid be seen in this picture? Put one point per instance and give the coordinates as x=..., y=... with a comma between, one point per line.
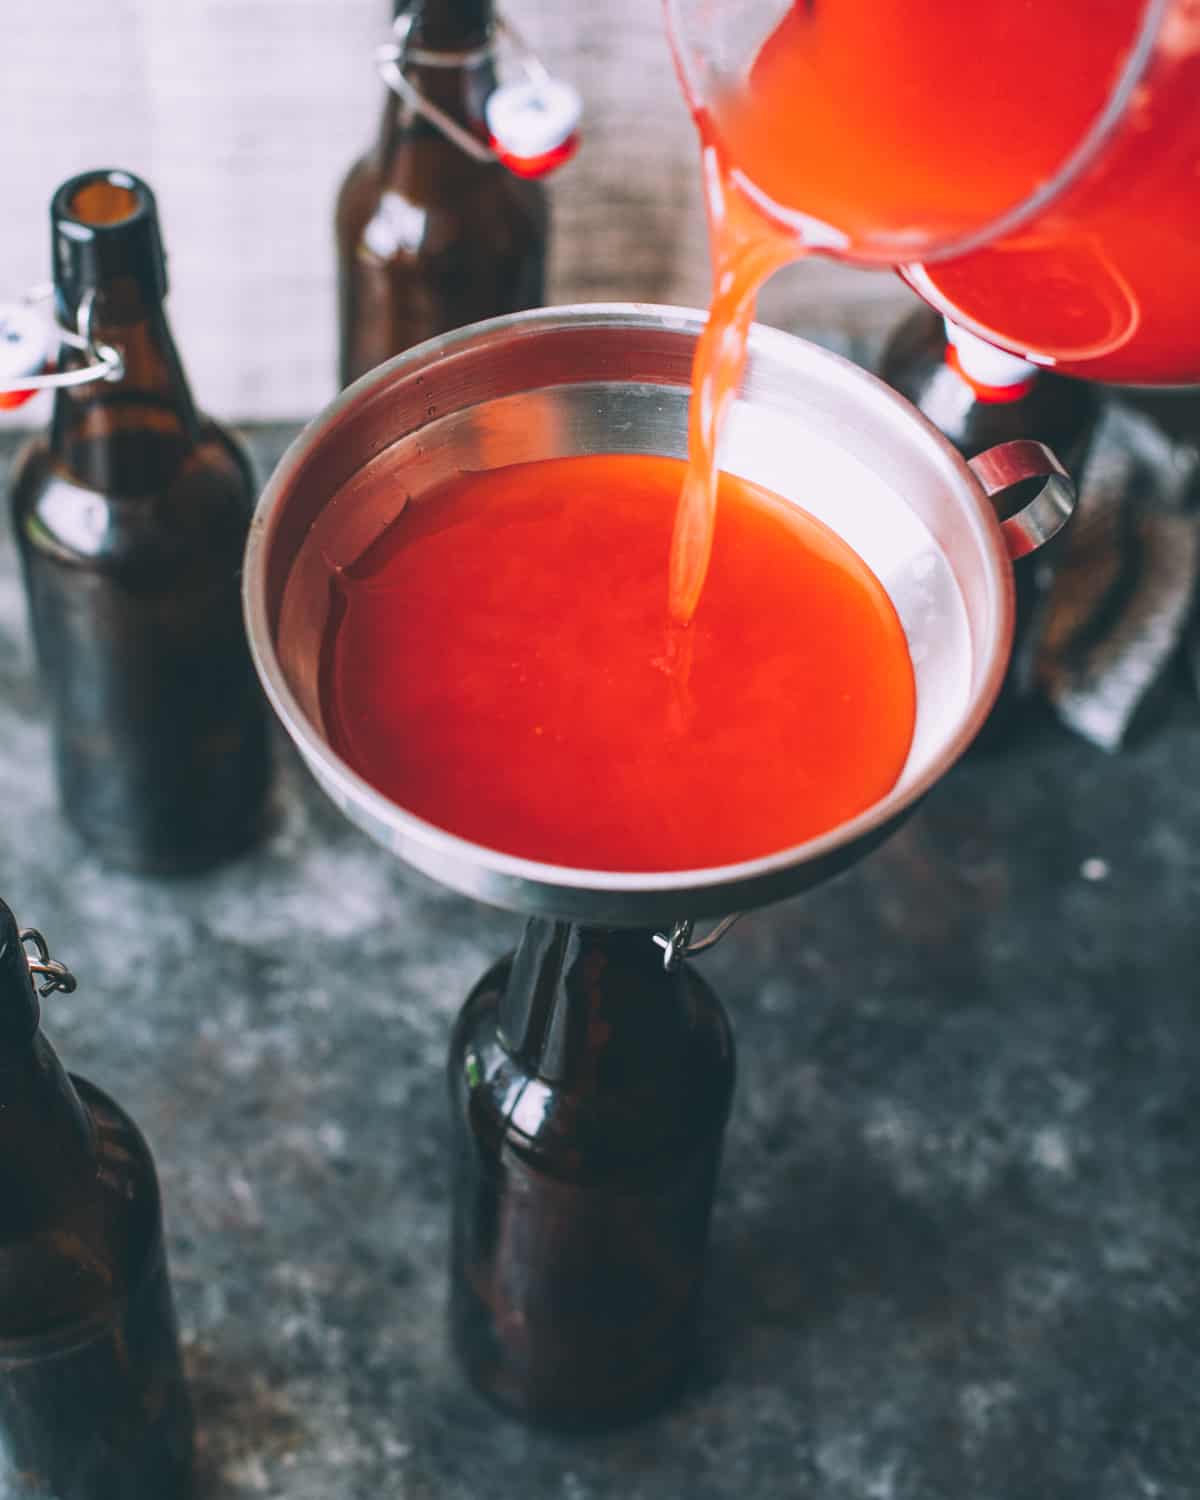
x=904, y=123
x=503, y=666
x=745, y=250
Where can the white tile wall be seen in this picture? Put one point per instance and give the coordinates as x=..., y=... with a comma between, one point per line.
x=242, y=114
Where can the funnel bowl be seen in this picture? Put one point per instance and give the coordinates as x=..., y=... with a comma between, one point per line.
x=814, y=428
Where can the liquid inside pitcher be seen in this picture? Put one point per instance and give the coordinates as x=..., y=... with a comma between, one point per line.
x=1031, y=169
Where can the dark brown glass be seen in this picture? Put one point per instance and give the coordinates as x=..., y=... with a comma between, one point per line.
x=428, y=238
x=1057, y=411
x=1176, y=410
x=131, y=518
x=93, y=1404
x=589, y=1093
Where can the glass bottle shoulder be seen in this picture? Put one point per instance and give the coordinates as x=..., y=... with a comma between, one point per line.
x=128, y=499
x=126, y=1178
x=581, y=1130
x=87, y=1230
x=430, y=198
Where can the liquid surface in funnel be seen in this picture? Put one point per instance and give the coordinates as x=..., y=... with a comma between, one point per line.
x=502, y=664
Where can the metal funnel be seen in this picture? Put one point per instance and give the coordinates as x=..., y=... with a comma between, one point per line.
x=809, y=425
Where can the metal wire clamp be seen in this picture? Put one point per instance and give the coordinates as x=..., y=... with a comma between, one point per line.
x=392, y=56
x=104, y=362
x=54, y=975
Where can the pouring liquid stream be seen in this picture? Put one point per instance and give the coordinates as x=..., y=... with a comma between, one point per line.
x=746, y=249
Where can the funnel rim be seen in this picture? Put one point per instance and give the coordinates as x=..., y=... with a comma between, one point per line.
x=493, y=875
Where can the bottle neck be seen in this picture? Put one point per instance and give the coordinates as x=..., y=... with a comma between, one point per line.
x=126, y=436
x=592, y=1008
x=448, y=25
x=47, y=1141
x=448, y=61
x=46, y=1136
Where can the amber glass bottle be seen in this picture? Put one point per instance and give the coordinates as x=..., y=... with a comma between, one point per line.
x=977, y=397
x=589, y=1091
x=428, y=237
x=131, y=518
x=93, y=1404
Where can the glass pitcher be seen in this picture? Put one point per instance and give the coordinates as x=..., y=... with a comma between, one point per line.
x=1032, y=170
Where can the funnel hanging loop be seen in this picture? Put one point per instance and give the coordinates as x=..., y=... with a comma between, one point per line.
x=1008, y=465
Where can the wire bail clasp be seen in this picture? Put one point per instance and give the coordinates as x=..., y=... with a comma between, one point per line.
x=27, y=347
x=54, y=974
x=533, y=126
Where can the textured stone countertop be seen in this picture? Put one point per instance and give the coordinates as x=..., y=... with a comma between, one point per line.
x=958, y=1231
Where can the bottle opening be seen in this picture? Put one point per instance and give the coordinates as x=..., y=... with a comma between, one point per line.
x=105, y=200
x=104, y=229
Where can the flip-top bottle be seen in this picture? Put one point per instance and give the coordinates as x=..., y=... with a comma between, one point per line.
x=131, y=518
x=590, y=1090
x=977, y=397
x=429, y=235
x=93, y=1404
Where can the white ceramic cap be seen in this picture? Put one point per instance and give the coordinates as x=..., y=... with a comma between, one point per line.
x=25, y=344
x=530, y=120
x=985, y=363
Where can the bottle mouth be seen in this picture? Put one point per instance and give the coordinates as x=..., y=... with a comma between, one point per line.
x=104, y=229
x=109, y=198
x=106, y=199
